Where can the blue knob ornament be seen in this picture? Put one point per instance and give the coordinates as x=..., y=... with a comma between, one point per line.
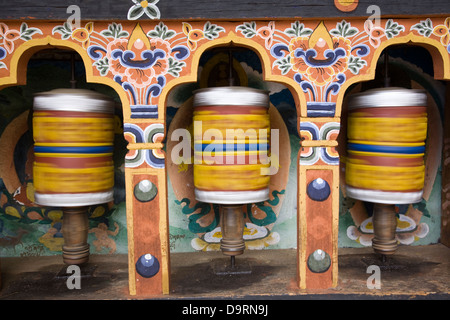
x=147, y=265
x=318, y=190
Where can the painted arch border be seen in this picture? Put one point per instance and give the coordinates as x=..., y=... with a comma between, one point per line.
x=440, y=58
x=234, y=39
x=23, y=53
x=439, y=54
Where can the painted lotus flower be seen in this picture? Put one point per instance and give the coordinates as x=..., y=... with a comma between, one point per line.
x=320, y=64
x=319, y=57
x=407, y=231
x=256, y=238
x=138, y=60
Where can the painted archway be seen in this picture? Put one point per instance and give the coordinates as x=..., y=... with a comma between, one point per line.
x=317, y=60
x=16, y=142
x=21, y=56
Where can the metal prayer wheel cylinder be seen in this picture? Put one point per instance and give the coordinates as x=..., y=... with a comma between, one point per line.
x=73, y=130
x=386, y=134
x=231, y=142
x=231, y=135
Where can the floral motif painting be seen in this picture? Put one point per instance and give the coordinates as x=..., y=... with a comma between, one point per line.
x=321, y=60
x=141, y=8
x=8, y=37
x=141, y=62
x=320, y=57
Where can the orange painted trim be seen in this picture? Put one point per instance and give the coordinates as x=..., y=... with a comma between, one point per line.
x=23, y=53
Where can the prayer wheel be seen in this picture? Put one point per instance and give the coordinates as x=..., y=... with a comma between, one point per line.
x=386, y=134
x=231, y=140
x=73, y=130
x=231, y=165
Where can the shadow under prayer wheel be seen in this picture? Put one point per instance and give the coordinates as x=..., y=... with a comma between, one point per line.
x=386, y=134
x=231, y=164
x=73, y=130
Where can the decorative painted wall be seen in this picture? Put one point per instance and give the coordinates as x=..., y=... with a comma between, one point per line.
x=27, y=229
x=147, y=63
x=183, y=234
x=187, y=217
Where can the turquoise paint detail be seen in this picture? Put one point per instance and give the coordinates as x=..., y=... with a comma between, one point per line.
x=270, y=214
x=205, y=208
